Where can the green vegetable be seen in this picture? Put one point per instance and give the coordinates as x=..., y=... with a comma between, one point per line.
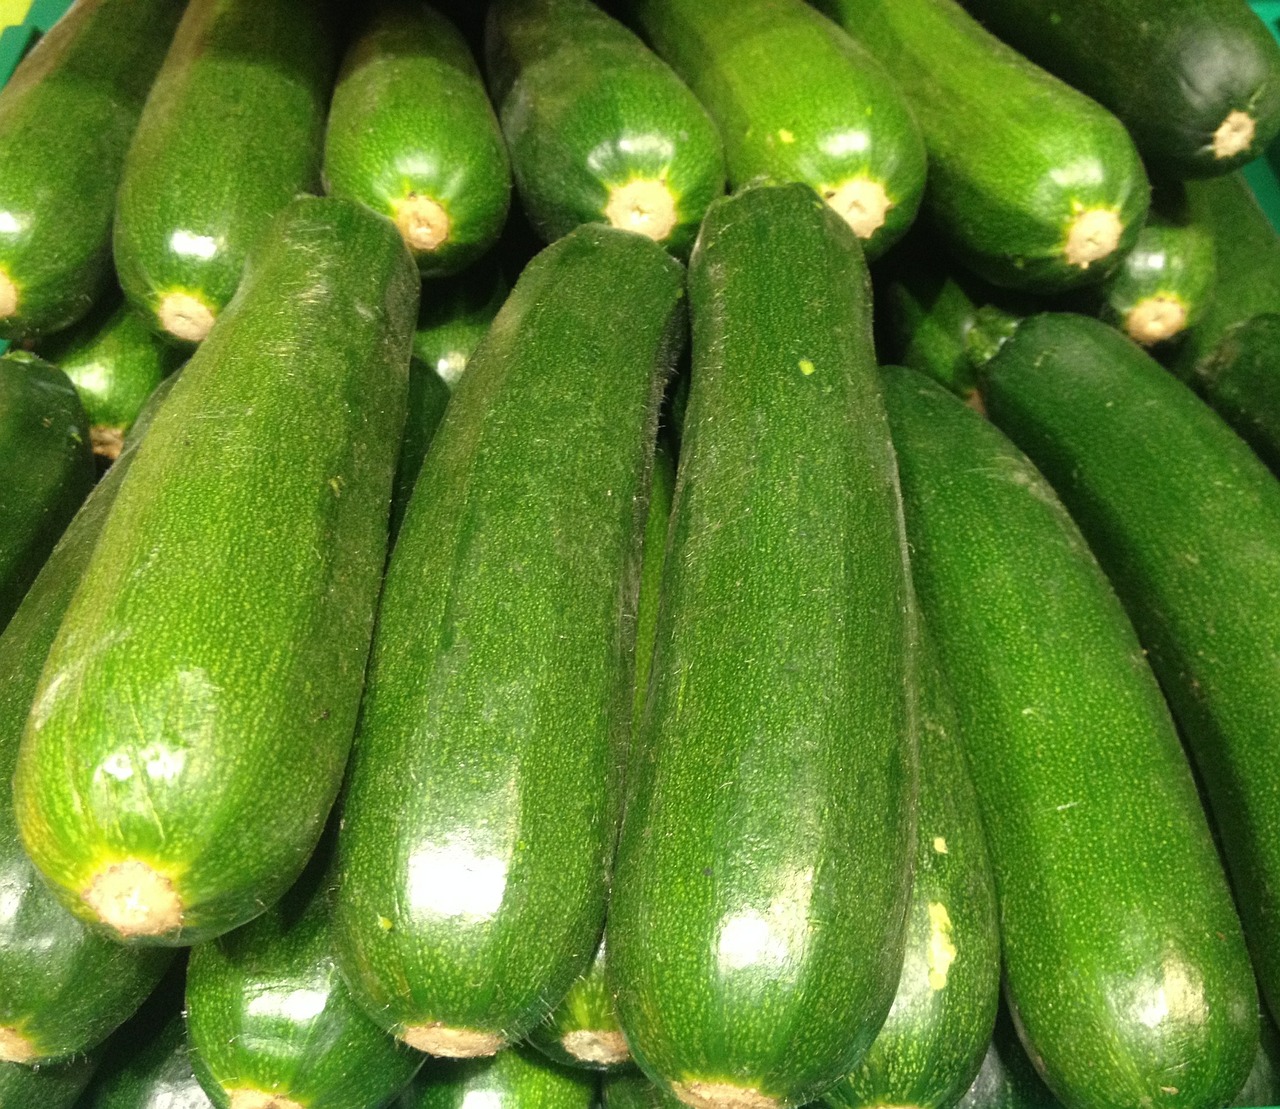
x=481, y=805
x=66, y=116
x=54, y=1086
x=1007, y=1079
x=630, y=1089
x=518, y=1078
x=1261, y=1089
x=1123, y=957
x=148, y=1069
x=797, y=100
x=195, y=714
x=231, y=133
x=411, y=134
x=1186, y=522
x=47, y=468
x=599, y=129
x=1240, y=377
x=1032, y=184
x=756, y=924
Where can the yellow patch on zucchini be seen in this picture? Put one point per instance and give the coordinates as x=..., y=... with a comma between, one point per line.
x=8, y=296
x=942, y=952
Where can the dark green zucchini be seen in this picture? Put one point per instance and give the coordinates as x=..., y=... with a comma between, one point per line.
x=52, y=1086
x=1007, y=1080
x=1124, y=961
x=149, y=1070
x=756, y=923
x=1163, y=287
x=412, y=134
x=1032, y=184
x=231, y=132
x=481, y=805
x=115, y=361
x=1240, y=377
x=600, y=130
x=47, y=468
x=62, y=988
x=1195, y=82
x=204, y=661
x=630, y=1089
x=271, y=1022
x=518, y=1078
x=797, y=100
x=70, y=109
x=1261, y=1090
x=1186, y=521
x=931, y=1045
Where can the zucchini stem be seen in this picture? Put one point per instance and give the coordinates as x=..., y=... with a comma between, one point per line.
x=722, y=1095
x=15, y=1047
x=1155, y=319
x=260, y=1099
x=1093, y=234
x=599, y=1047
x=453, y=1043
x=423, y=222
x=1234, y=134
x=643, y=205
x=185, y=316
x=861, y=203
x=135, y=900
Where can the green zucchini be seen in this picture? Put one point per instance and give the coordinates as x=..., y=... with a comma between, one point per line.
x=115, y=361
x=54, y=1086
x=149, y=1070
x=797, y=100
x=630, y=1089
x=452, y=319
x=931, y=1045
x=412, y=134
x=62, y=987
x=231, y=132
x=756, y=926
x=518, y=1078
x=1195, y=82
x=271, y=1022
x=1032, y=184
x=1261, y=1090
x=47, y=465
x=70, y=108
x=203, y=662
x=481, y=804
x=1007, y=1080
x=1163, y=286
x=599, y=129
x=1186, y=521
x=1240, y=377
x=1124, y=961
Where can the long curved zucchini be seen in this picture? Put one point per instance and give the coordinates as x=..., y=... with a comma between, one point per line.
x=411, y=134
x=797, y=100
x=70, y=109
x=756, y=924
x=204, y=663
x=1035, y=186
x=600, y=129
x=481, y=805
x=1124, y=962
x=231, y=132
x=1186, y=521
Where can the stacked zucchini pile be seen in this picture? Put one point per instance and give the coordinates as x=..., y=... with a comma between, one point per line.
x=424, y=684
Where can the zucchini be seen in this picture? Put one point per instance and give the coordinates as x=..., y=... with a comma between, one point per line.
x=1007, y=1080
x=931, y=1045
x=1186, y=522
x=115, y=361
x=188, y=677
x=1240, y=377
x=630, y=1089
x=412, y=134
x=56, y=1086
x=1124, y=961
x=797, y=100
x=1163, y=286
x=271, y=1022
x=756, y=928
x=150, y=1070
x=599, y=129
x=231, y=132
x=1195, y=82
x=47, y=465
x=478, y=824
x=62, y=988
x=518, y=1078
x=1261, y=1089
x=1032, y=184
x=70, y=108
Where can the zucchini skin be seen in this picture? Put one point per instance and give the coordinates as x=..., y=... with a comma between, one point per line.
x=932, y=1042
x=1173, y=72
x=796, y=100
x=785, y=463
x=47, y=465
x=231, y=132
x=63, y=988
x=1015, y=155
x=230, y=688
x=410, y=123
x=1007, y=1080
x=1262, y=1087
x=523, y=531
x=248, y=1032
x=152, y=1072
x=56, y=1086
x=115, y=361
x=587, y=109
x=630, y=1089
x=517, y=1078
x=1240, y=378
x=71, y=107
x=1112, y=897
x=1186, y=521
